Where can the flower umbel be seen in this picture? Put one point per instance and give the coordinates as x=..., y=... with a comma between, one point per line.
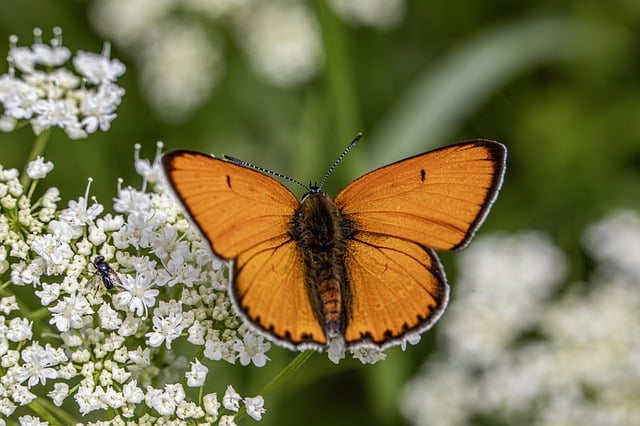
x=517, y=347
x=37, y=88
x=111, y=341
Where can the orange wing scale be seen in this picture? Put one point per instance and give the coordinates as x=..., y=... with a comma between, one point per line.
x=397, y=287
x=437, y=199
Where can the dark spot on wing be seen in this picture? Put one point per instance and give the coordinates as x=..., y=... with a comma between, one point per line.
x=423, y=174
x=229, y=181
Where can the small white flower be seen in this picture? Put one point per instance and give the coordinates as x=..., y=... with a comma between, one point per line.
x=162, y=402
x=51, y=55
x=38, y=169
x=165, y=329
x=17, y=97
x=31, y=421
x=131, y=200
x=137, y=295
x=336, y=349
x=112, y=398
x=255, y=407
x=87, y=399
x=180, y=272
x=252, y=348
x=54, y=113
x=69, y=312
x=196, y=333
x=8, y=304
x=211, y=404
x=37, y=365
x=54, y=252
x=22, y=58
x=19, y=330
x=98, y=68
x=59, y=393
x=189, y=410
x=198, y=374
x=132, y=393
x=120, y=375
x=99, y=107
x=10, y=358
x=80, y=213
x=21, y=395
x=369, y=355
x=109, y=318
x=231, y=399
x=7, y=407
x=150, y=171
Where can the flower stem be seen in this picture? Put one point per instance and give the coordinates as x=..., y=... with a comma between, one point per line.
x=286, y=372
x=37, y=149
x=50, y=412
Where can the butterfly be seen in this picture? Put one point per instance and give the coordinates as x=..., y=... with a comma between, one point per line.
x=361, y=267
x=109, y=278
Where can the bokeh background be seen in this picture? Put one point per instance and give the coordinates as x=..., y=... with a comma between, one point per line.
x=287, y=85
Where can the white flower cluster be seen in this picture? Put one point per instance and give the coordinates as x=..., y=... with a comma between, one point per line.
x=38, y=89
x=103, y=348
x=522, y=346
x=181, y=61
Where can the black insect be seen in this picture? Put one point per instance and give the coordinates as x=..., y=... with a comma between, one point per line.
x=103, y=270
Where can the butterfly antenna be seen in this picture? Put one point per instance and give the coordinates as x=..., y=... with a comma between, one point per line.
x=263, y=170
x=335, y=163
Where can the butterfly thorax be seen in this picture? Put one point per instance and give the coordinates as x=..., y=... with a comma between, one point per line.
x=321, y=233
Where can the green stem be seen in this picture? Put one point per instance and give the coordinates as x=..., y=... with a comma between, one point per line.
x=54, y=415
x=38, y=148
x=286, y=372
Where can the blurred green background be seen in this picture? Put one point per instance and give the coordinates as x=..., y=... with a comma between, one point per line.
x=557, y=82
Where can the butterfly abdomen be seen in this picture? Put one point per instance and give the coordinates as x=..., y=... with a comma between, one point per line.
x=321, y=233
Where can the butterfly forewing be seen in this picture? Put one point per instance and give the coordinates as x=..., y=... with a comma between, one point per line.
x=234, y=207
x=437, y=199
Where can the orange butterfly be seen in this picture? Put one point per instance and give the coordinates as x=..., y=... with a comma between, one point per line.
x=361, y=267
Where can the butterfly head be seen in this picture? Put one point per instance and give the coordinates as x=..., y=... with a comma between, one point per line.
x=313, y=189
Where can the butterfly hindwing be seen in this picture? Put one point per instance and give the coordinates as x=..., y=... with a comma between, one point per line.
x=234, y=207
x=269, y=285
x=397, y=288
x=437, y=199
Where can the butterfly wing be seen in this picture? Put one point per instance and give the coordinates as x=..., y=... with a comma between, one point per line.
x=400, y=212
x=233, y=206
x=246, y=216
x=397, y=288
x=437, y=199
x=284, y=309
